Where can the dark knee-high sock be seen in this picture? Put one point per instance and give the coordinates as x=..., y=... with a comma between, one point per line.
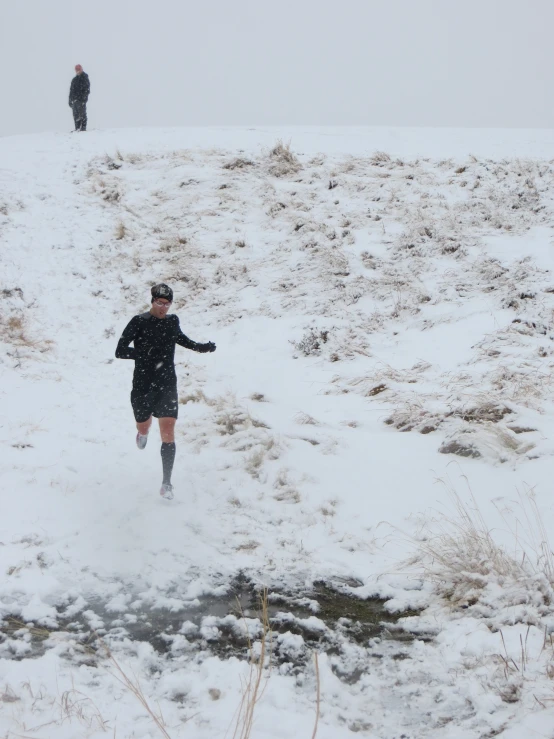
x=168, y=457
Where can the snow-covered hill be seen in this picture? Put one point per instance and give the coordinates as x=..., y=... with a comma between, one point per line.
x=382, y=305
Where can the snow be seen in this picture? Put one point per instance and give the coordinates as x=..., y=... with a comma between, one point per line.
x=428, y=272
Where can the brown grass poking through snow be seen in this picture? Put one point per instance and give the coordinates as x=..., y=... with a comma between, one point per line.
x=14, y=330
x=120, y=231
x=464, y=550
x=282, y=160
x=134, y=687
x=462, y=556
x=255, y=684
x=238, y=163
x=73, y=704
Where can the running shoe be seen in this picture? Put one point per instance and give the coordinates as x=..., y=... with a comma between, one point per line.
x=166, y=491
x=141, y=440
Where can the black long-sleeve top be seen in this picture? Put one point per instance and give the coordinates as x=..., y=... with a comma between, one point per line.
x=79, y=89
x=154, y=349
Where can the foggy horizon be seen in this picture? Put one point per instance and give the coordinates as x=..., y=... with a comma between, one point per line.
x=369, y=63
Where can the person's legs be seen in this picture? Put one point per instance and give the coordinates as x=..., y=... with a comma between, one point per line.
x=167, y=432
x=80, y=116
x=166, y=410
x=75, y=110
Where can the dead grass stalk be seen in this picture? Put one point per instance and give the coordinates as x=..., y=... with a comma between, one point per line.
x=318, y=695
x=134, y=687
x=253, y=687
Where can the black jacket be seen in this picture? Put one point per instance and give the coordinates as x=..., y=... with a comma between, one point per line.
x=154, y=349
x=80, y=88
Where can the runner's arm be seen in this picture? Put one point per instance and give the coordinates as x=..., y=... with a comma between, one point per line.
x=123, y=350
x=183, y=340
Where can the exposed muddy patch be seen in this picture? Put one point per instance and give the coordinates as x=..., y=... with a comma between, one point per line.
x=328, y=617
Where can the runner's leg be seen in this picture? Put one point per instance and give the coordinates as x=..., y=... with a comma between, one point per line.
x=144, y=427
x=167, y=432
x=167, y=429
x=142, y=410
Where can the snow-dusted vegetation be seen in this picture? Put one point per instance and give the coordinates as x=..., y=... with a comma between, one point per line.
x=383, y=320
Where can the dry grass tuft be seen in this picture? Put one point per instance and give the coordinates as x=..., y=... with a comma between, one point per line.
x=229, y=422
x=247, y=546
x=464, y=554
x=76, y=705
x=238, y=163
x=110, y=193
x=412, y=415
x=286, y=491
x=258, y=397
x=15, y=325
x=380, y=158
x=254, y=462
x=463, y=558
x=111, y=162
x=173, y=243
x=306, y=420
x=311, y=343
x=198, y=396
x=120, y=231
x=282, y=160
x=14, y=330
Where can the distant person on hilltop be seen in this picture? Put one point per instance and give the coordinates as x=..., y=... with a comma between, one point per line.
x=154, y=392
x=78, y=96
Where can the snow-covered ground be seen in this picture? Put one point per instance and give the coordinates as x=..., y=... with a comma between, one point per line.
x=378, y=416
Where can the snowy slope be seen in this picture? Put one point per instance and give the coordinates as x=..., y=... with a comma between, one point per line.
x=382, y=306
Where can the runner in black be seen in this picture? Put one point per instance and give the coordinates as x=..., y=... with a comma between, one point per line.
x=154, y=392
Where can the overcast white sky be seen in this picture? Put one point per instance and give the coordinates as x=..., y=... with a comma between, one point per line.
x=260, y=62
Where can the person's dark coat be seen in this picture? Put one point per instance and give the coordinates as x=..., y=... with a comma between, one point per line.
x=80, y=89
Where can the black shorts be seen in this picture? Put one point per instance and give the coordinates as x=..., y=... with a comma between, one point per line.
x=159, y=402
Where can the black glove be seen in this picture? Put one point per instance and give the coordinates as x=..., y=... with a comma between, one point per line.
x=209, y=347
